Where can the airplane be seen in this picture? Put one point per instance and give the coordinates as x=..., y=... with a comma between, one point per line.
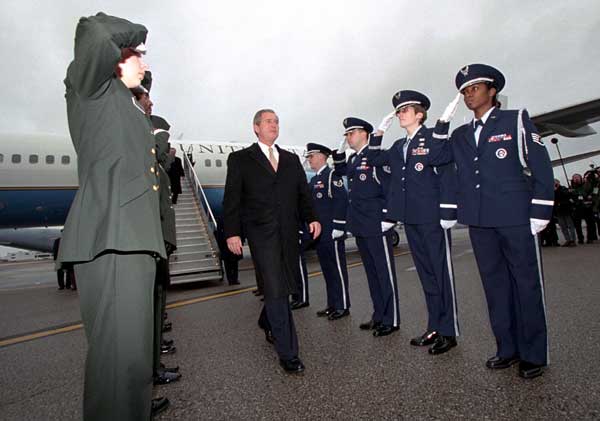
x=38, y=173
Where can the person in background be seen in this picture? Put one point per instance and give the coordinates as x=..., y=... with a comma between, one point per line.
x=175, y=174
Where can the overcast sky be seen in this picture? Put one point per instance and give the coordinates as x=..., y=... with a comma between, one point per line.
x=315, y=62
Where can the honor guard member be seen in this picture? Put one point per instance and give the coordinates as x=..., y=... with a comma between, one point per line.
x=331, y=202
x=366, y=221
x=163, y=375
x=418, y=199
x=505, y=196
x=112, y=233
x=300, y=298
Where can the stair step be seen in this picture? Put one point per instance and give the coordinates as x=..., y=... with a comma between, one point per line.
x=197, y=277
x=177, y=271
x=196, y=264
x=197, y=255
x=183, y=242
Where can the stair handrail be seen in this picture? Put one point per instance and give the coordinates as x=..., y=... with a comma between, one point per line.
x=191, y=174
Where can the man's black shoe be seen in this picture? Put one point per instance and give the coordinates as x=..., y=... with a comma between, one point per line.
x=498, y=363
x=159, y=405
x=167, y=349
x=325, y=312
x=370, y=325
x=292, y=366
x=172, y=369
x=529, y=370
x=384, y=330
x=295, y=305
x=166, y=377
x=167, y=327
x=338, y=314
x=442, y=344
x=168, y=342
x=425, y=339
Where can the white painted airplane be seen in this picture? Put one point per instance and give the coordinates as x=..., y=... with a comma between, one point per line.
x=38, y=173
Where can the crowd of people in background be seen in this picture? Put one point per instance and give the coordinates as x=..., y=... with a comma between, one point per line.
x=574, y=204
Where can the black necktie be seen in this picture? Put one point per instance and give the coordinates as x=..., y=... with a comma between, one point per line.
x=477, y=123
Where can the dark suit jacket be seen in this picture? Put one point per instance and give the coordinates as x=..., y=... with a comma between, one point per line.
x=175, y=174
x=267, y=207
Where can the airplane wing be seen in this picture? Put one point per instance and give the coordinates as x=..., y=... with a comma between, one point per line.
x=574, y=158
x=573, y=121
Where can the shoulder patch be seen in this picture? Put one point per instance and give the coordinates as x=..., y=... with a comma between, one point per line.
x=338, y=183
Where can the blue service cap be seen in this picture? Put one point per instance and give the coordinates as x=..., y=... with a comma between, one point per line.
x=352, y=123
x=406, y=97
x=478, y=73
x=315, y=147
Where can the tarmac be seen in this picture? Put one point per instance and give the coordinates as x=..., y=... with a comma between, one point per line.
x=231, y=373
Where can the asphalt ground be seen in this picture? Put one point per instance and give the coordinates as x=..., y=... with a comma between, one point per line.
x=231, y=373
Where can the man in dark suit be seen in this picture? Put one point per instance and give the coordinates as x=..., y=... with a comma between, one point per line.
x=175, y=174
x=267, y=197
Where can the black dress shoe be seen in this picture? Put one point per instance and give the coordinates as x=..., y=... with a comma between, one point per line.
x=529, y=370
x=498, y=363
x=370, y=325
x=269, y=336
x=167, y=327
x=172, y=369
x=425, y=339
x=168, y=342
x=295, y=305
x=384, y=330
x=159, y=405
x=166, y=377
x=164, y=349
x=292, y=366
x=338, y=314
x=325, y=312
x=442, y=344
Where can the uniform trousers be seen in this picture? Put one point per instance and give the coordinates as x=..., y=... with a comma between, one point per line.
x=116, y=299
x=276, y=316
x=302, y=282
x=160, y=300
x=510, y=266
x=332, y=258
x=378, y=259
x=430, y=248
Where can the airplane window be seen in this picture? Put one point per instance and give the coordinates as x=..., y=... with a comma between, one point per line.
x=218, y=163
x=33, y=159
x=49, y=159
x=1, y=158
x=16, y=159
x=65, y=160
x=207, y=162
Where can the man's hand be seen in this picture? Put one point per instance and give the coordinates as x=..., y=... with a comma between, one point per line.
x=234, y=244
x=315, y=229
x=386, y=226
x=447, y=224
x=386, y=123
x=335, y=234
x=450, y=110
x=537, y=225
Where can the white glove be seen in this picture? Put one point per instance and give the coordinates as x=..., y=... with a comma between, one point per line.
x=446, y=224
x=335, y=234
x=537, y=225
x=387, y=121
x=385, y=226
x=343, y=146
x=450, y=110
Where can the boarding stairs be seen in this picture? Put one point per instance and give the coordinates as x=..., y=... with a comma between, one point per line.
x=197, y=256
